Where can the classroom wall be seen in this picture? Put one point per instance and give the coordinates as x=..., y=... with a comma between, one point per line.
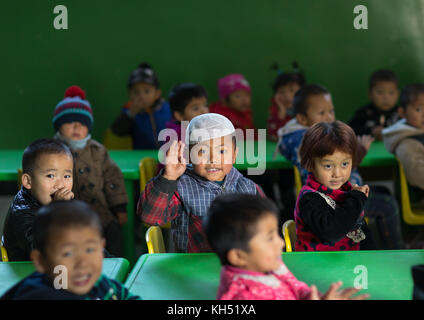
x=196, y=41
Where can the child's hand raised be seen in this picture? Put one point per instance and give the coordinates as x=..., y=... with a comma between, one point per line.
x=333, y=293
x=365, y=188
x=175, y=164
x=63, y=194
x=366, y=141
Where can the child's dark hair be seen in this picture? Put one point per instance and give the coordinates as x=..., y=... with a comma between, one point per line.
x=232, y=221
x=382, y=75
x=286, y=78
x=181, y=95
x=301, y=96
x=40, y=147
x=144, y=73
x=409, y=94
x=61, y=215
x=325, y=138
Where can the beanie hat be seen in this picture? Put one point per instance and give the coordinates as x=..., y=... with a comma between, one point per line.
x=208, y=126
x=231, y=83
x=144, y=73
x=74, y=108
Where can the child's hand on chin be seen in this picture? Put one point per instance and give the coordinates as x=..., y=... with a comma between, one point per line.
x=333, y=293
x=63, y=194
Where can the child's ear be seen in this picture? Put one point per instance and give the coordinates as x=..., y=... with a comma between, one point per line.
x=237, y=257
x=301, y=119
x=38, y=261
x=158, y=93
x=178, y=116
x=26, y=180
x=235, y=154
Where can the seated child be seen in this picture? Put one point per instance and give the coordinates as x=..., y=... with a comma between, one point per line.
x=405, y=138
x=147, y=113
x=281, y=110
x=47, y=176
x=97, y=179
x=243, y=231
x=235, y=99
x=187, y=100
x=182, y=193
x=68, y=234
x=329, y=212
x=381, y=111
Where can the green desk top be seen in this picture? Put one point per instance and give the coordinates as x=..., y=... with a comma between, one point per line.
x=177, y=276
x=127, y=160
x=13, y=272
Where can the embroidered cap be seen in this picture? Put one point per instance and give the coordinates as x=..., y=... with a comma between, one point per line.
x=208, y=126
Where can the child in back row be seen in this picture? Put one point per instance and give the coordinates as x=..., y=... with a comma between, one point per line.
x=68, y=234
x=187, y=100
x=181, y=193
x=47, y=176
x=329, y=212
x=405, y=138
x=243, y=231
x=147, y=113
x=281, y=111
x=381, y=111
x=235, y=101
x=97, y=179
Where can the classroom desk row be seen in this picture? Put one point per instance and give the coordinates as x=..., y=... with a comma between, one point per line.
x=13, y=272
x=128, y=160
x=384, y=275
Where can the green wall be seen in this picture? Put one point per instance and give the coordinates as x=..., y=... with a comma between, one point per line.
x=196, y=41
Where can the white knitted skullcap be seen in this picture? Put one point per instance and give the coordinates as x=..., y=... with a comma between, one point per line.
x=208, y=126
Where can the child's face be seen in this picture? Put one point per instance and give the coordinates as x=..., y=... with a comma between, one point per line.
x=265, y=247
x=194, y=108
x=80, y=251
x=384, y=95
x=333, y=170
x=319, y=109
x=73, y=130
x=213, y=159
x=414, y=112
x=285, y=94
x=239, y=100
x=144, y=95
x=51, y=173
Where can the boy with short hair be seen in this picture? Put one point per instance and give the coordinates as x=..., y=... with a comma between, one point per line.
x=187, y=100
x=405, y=138
x=381, y=112
x=181, y=193
x=68, y=234
x=97, y=179
x=47, y=168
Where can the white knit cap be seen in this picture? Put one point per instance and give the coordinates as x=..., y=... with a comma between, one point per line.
x=208, y=126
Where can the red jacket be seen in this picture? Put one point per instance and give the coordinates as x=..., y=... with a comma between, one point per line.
x=241, y=120
x=274, y=122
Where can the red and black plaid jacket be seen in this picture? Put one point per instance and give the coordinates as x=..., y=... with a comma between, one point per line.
x=185, y=202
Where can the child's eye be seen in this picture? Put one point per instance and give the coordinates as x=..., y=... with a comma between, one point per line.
x=345, y=164
x=67, y=254
x=90, y=250
x=51, y=176
x=327, y=166
x=223, y=151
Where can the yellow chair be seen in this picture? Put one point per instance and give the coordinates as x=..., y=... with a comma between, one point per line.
x=289, y=234
x=148, y=169
x=412, y=213
x=297, y=180
x=114, y=142
x=154, y=240
x=4, y=257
